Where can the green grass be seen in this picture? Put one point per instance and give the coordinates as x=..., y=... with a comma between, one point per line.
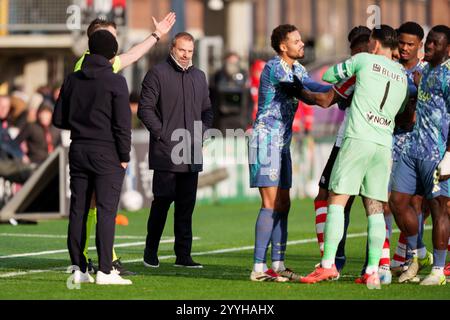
x=225, y=276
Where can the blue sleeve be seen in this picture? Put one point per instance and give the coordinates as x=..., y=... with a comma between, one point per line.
x=314, y=86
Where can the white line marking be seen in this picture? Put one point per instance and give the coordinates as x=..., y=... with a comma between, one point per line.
x=60, y=236
x=289, y=243
x=311, y=240
x=121, y=245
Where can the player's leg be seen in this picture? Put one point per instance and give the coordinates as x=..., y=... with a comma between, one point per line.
x=321, y=200
x=263, y=234
x=374, y=190
x=406, y=183
x=321, y=208
x=346, y=178
x=376, y=238
x=265, y=162
x=422, y=208
x=438, y=195
x=340, y=253
x=280, y=227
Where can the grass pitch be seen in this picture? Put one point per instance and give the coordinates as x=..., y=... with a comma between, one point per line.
x=33, y=260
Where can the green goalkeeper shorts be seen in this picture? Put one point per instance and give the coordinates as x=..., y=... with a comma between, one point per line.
x=362, y=168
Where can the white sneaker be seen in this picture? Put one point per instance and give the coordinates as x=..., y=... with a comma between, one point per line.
x=434, y=279
x=112, y=278
x=80, y=277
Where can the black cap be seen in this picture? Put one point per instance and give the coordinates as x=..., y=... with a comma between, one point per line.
x=103, y=43
x=356, y=33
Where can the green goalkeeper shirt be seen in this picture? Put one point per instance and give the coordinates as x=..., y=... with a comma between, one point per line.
x=381, y=91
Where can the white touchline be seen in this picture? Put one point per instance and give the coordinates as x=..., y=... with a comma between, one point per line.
x=61, y=236
x=121, y=245
x=311, y=240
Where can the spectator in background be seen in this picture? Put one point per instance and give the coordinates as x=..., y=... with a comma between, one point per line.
x=230, y=94
x=134, y=103
x=33, y=105
x=19, y=113
x=41, y=137
x=11, y=166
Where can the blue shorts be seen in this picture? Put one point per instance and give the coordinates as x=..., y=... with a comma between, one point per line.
x=272, y=171
x=394, y=166
x=418, y=177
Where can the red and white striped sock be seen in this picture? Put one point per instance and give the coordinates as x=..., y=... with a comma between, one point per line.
x=386, y=253
x=400, y=252
x=321, y=208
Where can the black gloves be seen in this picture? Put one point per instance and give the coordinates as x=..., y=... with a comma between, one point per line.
x=292, y=89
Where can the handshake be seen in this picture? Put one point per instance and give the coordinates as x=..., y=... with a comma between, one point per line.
x=293, y=89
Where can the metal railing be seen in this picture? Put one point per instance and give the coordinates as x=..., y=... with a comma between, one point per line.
x=52, y=16
x=34, y=16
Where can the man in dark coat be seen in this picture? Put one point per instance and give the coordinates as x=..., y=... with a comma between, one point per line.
x=176, y=109
x=93, y=105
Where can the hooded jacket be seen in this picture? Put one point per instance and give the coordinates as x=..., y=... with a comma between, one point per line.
x=94, y=105
x=174, y=98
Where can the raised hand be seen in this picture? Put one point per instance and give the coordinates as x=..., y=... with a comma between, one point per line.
x=165, y=24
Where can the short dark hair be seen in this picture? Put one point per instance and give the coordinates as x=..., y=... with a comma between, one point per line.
x=358, y=35
x=98, y=24
x=386, y=35
x=442, y=29
x=45, y=105
x=182, y=35
x=103, y=43
x=279, y=34
x=411, y=28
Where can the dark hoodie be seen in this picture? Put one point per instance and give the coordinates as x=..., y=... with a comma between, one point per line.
x=93, y=104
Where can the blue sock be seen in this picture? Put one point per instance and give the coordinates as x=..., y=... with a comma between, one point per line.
x=263, y=233
x=420, y=243
x=412, y=242
x=279, y=236
x=388, y=221
x=439, y=258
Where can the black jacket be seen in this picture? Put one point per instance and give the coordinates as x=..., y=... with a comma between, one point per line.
x=171, y=99
x=34, y=135
x=94, y=105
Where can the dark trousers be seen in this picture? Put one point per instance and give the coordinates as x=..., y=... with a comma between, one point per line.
x=93, y=168
x=169, y=187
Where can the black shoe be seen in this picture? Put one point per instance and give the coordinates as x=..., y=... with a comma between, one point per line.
x=117, y=265
x=91, y=268
x=187, y=262
x=151, y=260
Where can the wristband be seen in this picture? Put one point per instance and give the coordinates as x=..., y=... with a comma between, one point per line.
x=155, y=35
